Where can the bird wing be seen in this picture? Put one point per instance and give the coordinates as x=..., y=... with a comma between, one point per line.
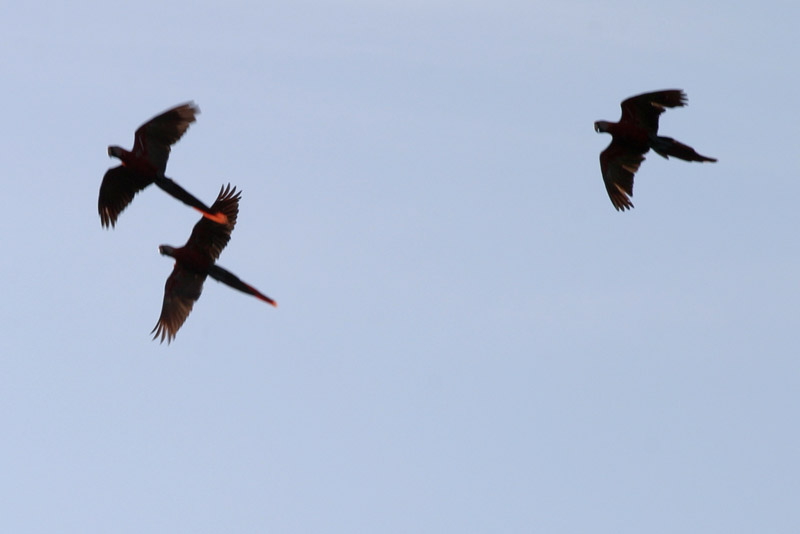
x=154, y=138
x=182, y=289
x=619, y=163
x=644, y=110
x=209, y=237
x=119, y=186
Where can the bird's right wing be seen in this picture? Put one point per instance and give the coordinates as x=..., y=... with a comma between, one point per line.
x=182, y=289
x=618, y=165
x=117, y=190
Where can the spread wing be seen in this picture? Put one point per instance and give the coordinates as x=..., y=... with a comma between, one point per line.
x=119, y=186
x=619, y=163
x=644, y=109
x=182, y=289
x=154, y=138
x=209, y=237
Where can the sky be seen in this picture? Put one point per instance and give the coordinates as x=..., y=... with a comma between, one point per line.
x=469, y=338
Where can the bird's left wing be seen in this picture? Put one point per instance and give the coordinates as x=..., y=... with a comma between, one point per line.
x=154, y=138
x=209, y=237
x=645, y=109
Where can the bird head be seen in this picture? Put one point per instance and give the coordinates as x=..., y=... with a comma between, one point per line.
x=166, y=250
x=115, y=151
x=601, y=126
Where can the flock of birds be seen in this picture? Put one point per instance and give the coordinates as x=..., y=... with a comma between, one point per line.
x=196, y=260
x=632, y=137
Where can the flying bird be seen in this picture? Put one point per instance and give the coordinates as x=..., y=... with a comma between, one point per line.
x=633, y=136
x=195, y=261
x=146, y=164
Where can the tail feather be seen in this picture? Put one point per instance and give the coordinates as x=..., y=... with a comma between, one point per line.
x=226, y=277
x=178, y=192
x=667, y=146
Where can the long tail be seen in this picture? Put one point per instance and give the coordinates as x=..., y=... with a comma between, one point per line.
x=226, y=277
x=171, y=187
x=667, y=146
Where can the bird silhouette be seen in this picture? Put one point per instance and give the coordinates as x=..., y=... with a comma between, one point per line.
x=635, y=134
x=195, y=261
x=146, y=164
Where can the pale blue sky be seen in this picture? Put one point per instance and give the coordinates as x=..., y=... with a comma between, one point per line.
x=469, y=337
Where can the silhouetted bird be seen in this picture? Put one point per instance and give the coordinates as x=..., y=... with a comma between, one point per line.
x=195, y=261
x=146, y=164
x=633, y=136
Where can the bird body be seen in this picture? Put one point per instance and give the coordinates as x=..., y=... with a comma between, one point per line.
x=138, y=163
x=189, y=258
x=633, y=136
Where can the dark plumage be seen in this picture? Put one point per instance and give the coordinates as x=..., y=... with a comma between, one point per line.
x=146, y=164
x=635, y=134
x=195, y=261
